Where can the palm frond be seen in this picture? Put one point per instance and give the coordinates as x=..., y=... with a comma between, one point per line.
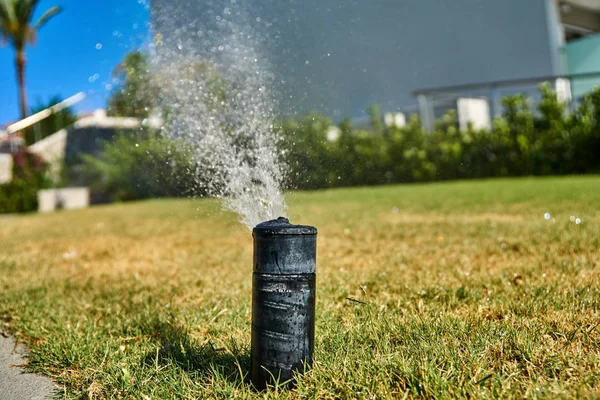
x=47, y=15
x=6, y=20
x=24, y=10
x=6, y=14
x=7, y=8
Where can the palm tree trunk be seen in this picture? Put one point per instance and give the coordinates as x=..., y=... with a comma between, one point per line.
x=20, y=64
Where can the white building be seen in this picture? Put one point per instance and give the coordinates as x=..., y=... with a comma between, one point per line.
x=340, y=56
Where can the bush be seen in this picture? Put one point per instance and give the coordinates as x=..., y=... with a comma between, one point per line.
x=316, y=165
x=29, y=176
x=521, y=142
x=139, y=166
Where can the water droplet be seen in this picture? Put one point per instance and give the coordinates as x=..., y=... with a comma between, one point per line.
x=572, y=218
x=577, y=221
x=137, y=145
x=253, y=189
x=98, y=46
x=547, y=216
x=108, y=86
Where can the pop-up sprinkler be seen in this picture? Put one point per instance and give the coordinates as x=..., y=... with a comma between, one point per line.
x=283, y=301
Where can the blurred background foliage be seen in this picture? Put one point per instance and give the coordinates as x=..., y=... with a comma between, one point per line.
x=134, y=92
x=29, y=176
x=141, y=165
x=548, y=140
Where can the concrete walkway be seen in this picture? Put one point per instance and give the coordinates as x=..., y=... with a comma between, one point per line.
x=14, y=383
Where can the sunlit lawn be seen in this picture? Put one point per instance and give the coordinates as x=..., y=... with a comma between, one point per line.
x=470, y=292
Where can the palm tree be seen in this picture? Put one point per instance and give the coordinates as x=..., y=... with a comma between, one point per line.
x=16, y=27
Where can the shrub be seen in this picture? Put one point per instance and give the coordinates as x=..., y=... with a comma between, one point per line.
x=29, y=176
x=521, y=142
x=139, y=166
x=316, y=164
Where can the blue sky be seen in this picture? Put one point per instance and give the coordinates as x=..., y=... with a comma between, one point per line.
x=76, y=51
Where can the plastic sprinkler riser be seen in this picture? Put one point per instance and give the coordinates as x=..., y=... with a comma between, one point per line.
x=283, y=301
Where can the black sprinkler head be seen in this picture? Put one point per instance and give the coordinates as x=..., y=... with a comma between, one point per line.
x=283, y=301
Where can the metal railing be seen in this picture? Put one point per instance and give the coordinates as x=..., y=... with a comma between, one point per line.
x=435, y=102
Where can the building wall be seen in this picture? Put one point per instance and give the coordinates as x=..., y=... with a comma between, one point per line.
x=52, y=150
x=6, y=164
x=340, y=56
x=556, y=37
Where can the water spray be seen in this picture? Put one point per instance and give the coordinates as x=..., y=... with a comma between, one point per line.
x=283, y=301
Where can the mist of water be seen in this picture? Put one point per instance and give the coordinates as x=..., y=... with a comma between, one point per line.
x=216, y=88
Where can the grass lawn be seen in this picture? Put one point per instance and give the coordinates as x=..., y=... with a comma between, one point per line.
x=469, y=291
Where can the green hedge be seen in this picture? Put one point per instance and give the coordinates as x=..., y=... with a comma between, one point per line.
x=521, y=142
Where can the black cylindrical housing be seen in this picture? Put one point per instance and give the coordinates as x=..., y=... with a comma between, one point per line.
x=283, y=301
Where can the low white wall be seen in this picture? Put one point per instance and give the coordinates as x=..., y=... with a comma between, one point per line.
x=46, y=200
x=6, y=164
x=68, y=199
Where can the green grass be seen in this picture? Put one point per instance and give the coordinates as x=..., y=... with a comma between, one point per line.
x=470, y=293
